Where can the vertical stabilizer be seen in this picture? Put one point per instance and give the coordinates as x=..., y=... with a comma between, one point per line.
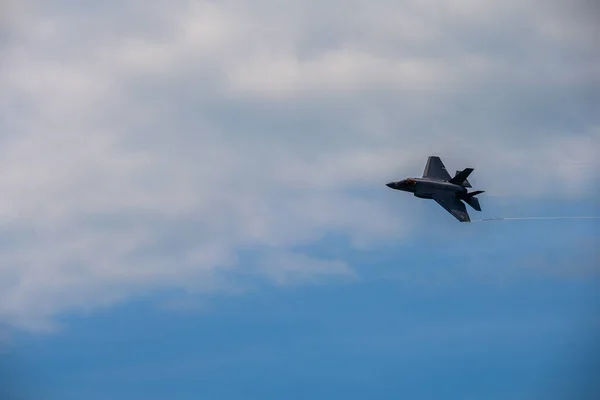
x=466, y=182
x=461, y=177
x=474, y=201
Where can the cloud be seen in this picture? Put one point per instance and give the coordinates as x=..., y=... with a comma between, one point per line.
x=145, y=145
x=286, y=268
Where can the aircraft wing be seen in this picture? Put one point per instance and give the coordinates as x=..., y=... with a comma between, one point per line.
x=453, y=205
x=435, y=169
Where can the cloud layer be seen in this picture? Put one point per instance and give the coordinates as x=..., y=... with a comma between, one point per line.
x=145, y=144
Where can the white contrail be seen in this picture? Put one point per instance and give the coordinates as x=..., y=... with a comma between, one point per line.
x=529, y=218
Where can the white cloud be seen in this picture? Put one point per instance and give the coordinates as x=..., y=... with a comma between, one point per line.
x=143, y=144
x=339, y=70
x=286, y=268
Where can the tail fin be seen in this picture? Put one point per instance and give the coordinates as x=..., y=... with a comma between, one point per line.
x=461, y=177
x=474, y=201
x=465, y=183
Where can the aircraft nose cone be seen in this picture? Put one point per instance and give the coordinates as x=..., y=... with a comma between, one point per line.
x=391, y=184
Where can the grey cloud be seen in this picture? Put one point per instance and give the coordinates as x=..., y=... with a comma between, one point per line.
x=145, y=144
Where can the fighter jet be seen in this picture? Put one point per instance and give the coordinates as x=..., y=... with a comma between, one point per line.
x=437, y=184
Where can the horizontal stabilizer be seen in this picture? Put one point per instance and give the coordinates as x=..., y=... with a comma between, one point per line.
x=461, y=177
x=475, y=193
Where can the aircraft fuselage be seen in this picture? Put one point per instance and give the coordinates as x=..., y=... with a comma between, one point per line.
x=426, y=188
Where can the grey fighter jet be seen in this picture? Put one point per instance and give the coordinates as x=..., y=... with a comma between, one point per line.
x=437, y=184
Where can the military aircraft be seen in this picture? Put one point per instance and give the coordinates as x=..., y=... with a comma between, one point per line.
x=437, y=184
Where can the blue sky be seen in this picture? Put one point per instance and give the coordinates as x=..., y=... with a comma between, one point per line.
x=194, y=200
x=499, y=310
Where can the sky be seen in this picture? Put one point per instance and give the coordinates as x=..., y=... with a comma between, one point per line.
x=194, y=203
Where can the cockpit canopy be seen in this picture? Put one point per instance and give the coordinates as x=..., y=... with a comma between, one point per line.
x=408, y=182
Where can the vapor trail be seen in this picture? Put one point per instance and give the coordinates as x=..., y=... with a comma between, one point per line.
x=529, y=218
